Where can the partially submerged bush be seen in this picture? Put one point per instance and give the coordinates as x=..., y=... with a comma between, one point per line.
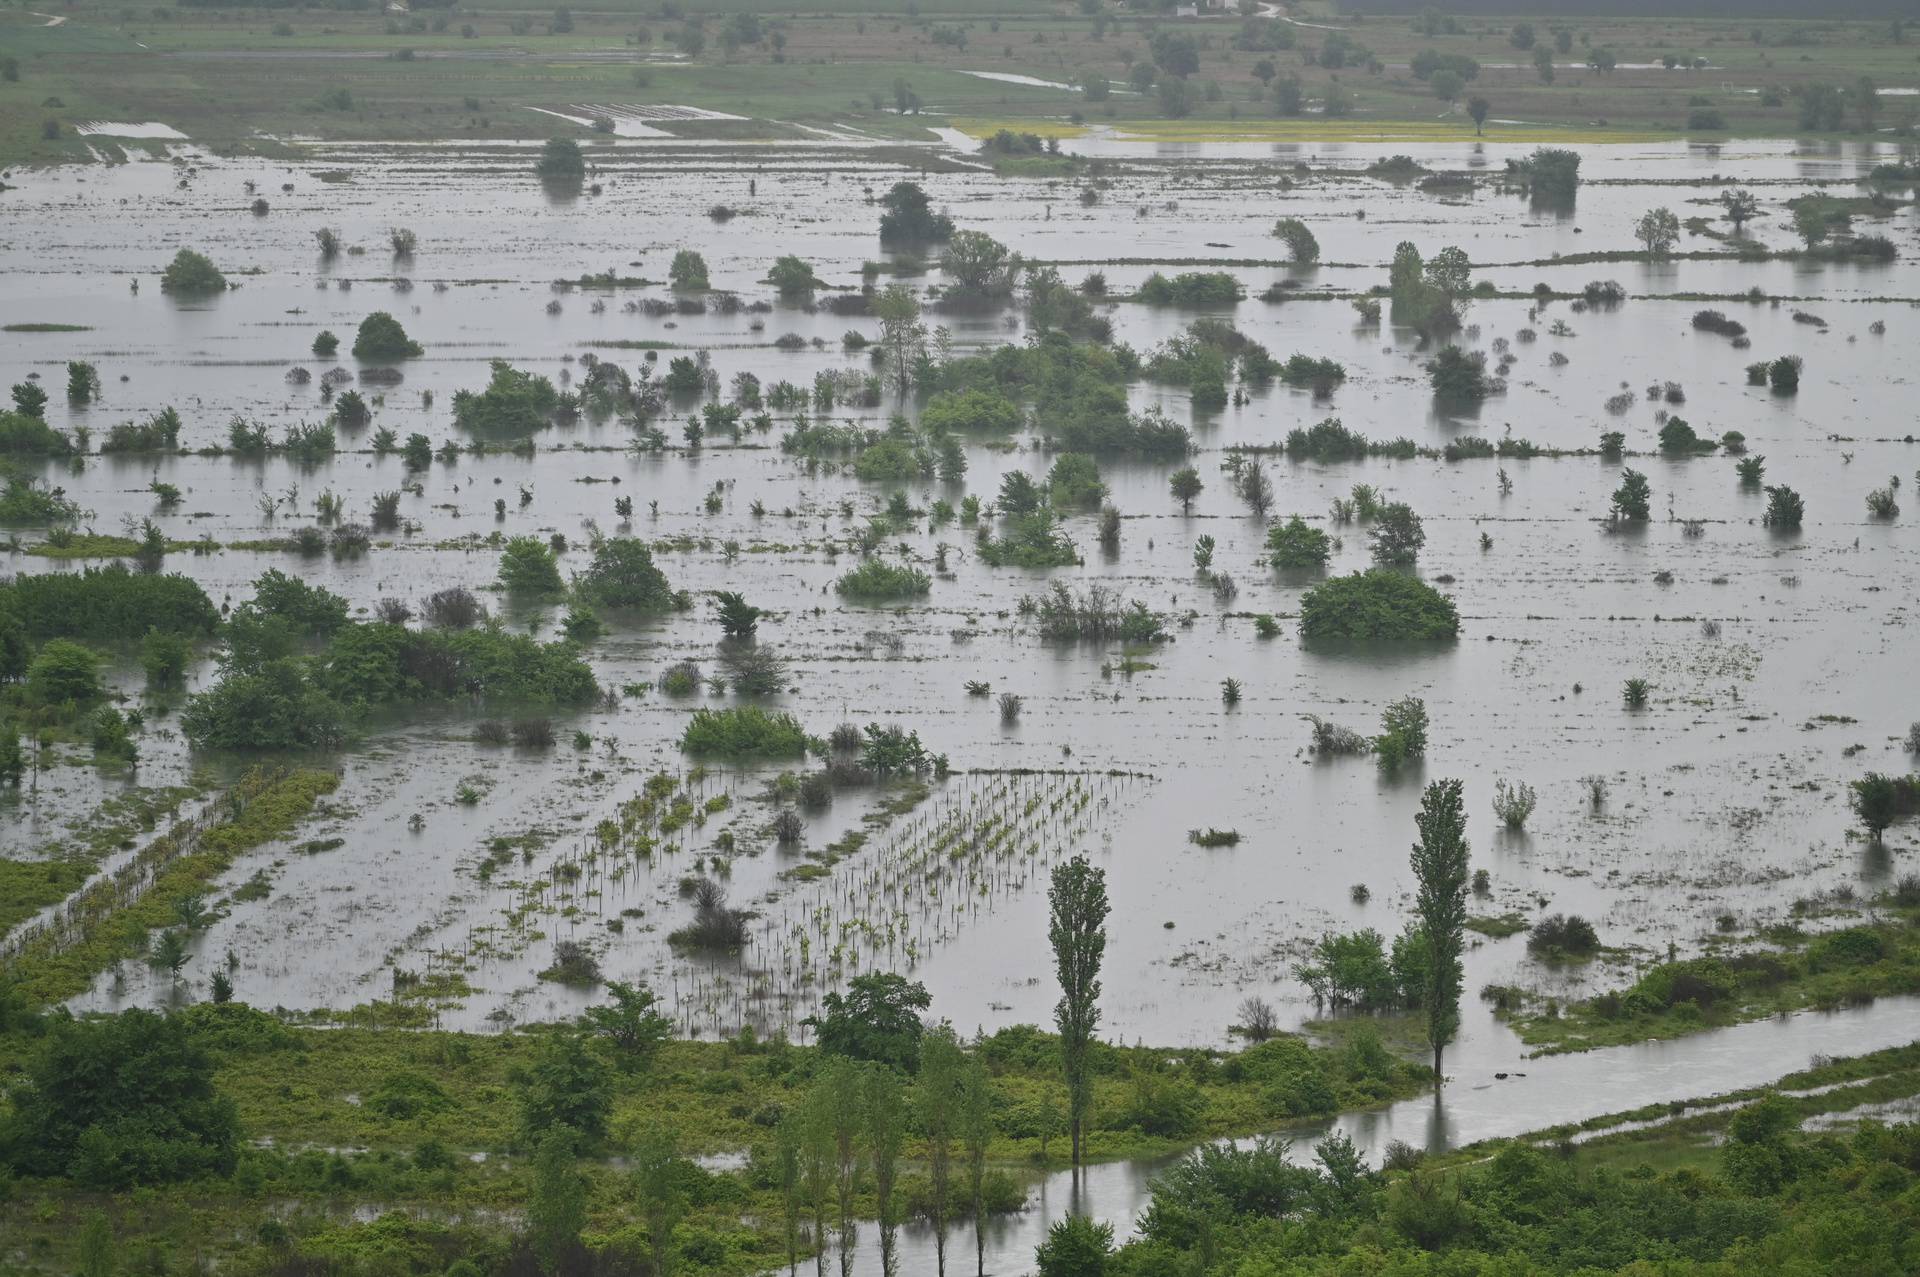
x=623, y=576
x=454, y=608
x=382, y=337
x=560, y=159
x=1513, y=803
x=1097, y=615
x=715, y=927
x=1377, y=604
x=877, y=581
x=1785, y=509
x=743, y=731
x=192, y=274
x=1296, y=546
x=1403, y=733
x=1563, y=936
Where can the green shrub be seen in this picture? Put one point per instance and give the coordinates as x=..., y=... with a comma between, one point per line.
x=1785, y=508
x=1296, y=546
x=1074, y=482
x=875, y=581
x=1032, y=540
x=970, y=411
x=121, y=1100
x=24, y=435
x=1377, y=604
x=743, y=731
x=107, y=604
x=623, y=575
x=1403, y=732
x=271, y=706
x=1563, y=935
x=1097, y=615
x=529, y=568
x=63, y=673
x=164, y=657
x=382, y=337
x=561, y=159
x=190, y=274
x=379, y=664
x=888, y=460
x=308, y=609
x=1192, y=288
x=1677, y=438
x=158, y=433
x=514, y=405
x=688, y=270
x=1300, y=241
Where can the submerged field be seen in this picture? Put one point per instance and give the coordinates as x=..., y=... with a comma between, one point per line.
x=471, y=850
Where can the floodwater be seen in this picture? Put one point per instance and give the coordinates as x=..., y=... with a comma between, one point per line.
x=1564, y=1090
x=1725, y=795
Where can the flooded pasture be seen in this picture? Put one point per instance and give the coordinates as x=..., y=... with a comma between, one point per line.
x=1726, y=793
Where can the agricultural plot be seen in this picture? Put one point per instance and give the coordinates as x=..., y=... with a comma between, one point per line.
x=646, y=611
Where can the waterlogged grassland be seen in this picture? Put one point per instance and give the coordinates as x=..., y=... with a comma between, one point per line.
x=50, y=873
x=112, y=919
x=1850, y=961
x=422, y=1129
x=1690, y=1134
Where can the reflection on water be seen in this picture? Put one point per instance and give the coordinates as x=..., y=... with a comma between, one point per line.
x=1549, y=1092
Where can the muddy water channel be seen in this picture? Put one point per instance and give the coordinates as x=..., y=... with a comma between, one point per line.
x=1725, y=794
x=1565, y=1089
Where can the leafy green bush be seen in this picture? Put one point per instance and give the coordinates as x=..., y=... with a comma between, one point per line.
x=875, y=581
x=877, y=1019
x=1097, y=615
x=1294, y=545
x=791, y=277
x=1377, y=604
x=379, y=664
x=514, y=405
x=529, y=568
x=1563, y=935
x=107, y=603
x=308, y=609
x=158, y=433
x=1677, y=439
x=688, y=270
x=63, y=673
x=1632, y=500
x=972, y=410
x=623, y=575
x=1458, y=376
x=269, y=706
x=118, y=1101
x=743, y=731
x=1403, y=733
x=1785, y=508
x=25, y=435
x=1074, y=481
x=1192, y=288
x=1032, y=540
x=560, y=159
x=890, y=459
x=382, y=337
x=191, y=274
x=1300, y=241
x=164, y=657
